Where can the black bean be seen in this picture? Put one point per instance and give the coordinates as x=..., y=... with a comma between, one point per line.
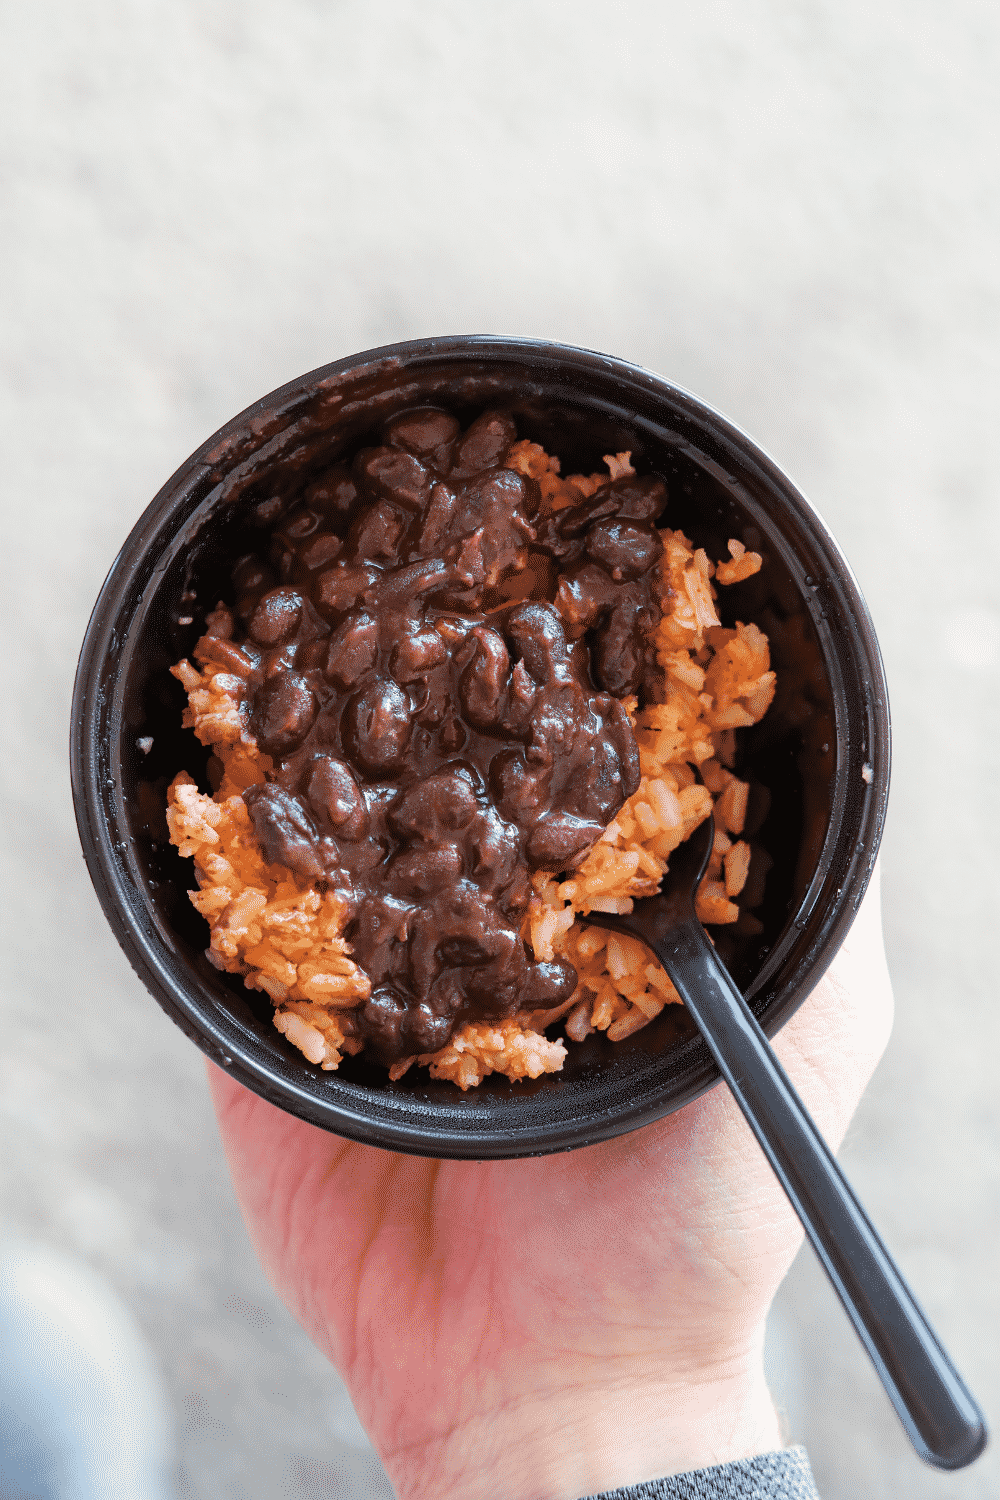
x=423, y=1031
x=493, y=959
x=635, y=499
x=424, y=431
x=333, y=790
x=341, y=588
x=536, y=634
x=496, y=848
x=417, y=655
x=283, y=713
x=383, y=1014
x=442, y=803
x=285, y=830
x=518, y=791
x=485, y=444
x=376, y=727
x=374, y=535
x=421, y=872
x=320, y=551
x=640, y=497
x=353, y=650
x=497, y=508
x=617, y=651
x=575, y=519
x=397, y=590
x=558, y=839
x=627, y=549
x=547, y=985
x=466, y=950
x=310, y=655
x=389, y=474
x=595, y=792
x=484, y=682
x=584, y=595
x=276, y=617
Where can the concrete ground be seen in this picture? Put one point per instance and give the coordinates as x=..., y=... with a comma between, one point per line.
x=791, y=210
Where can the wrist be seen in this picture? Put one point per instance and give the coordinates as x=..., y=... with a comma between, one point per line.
x=583, y=1439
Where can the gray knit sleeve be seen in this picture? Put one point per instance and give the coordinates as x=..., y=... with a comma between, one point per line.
x=769, y=1476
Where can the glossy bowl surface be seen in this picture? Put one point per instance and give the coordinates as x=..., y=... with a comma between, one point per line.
x=818, y=763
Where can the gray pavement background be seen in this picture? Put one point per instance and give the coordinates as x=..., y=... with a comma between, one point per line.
x=793, y=211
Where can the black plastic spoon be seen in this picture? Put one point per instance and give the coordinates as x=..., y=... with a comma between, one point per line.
x=940, y=1416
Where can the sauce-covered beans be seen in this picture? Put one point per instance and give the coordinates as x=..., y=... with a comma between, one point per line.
x=437, y=668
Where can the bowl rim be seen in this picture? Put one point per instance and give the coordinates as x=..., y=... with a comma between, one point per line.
x=95, y=770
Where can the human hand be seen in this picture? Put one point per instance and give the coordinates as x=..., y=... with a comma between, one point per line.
x=554, y=1327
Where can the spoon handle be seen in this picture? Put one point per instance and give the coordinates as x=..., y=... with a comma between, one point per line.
x=940, y=1416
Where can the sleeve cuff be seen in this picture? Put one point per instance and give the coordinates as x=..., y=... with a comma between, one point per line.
x=769, y=1476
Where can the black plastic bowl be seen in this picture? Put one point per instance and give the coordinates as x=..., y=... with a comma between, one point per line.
x=818, y=763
